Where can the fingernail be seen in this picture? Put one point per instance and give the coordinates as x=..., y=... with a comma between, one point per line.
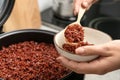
x=58, y=59
x=85, y=4
x=80, y=51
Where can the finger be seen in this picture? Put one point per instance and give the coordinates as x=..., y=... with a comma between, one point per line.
x=93, y=50
x=91, y=1
x=77, y=4
x=94, y=67
x=99, y=66
x=88, y=3
x=85, y=4
x=76, y=9
x=68, y=63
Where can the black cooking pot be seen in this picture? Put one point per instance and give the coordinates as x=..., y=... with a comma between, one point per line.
x=108, y=25
x=37, y=35
x=102, y=8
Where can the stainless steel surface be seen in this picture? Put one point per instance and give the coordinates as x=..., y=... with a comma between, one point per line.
x=3, y=6
x=6, y=7
x=63, y=9
x=109, y=25
x=52, y=26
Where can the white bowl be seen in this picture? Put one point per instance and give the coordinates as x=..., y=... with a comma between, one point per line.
x=92, y=36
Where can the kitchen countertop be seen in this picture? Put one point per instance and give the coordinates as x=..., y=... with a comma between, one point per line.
x=43, y=27
x=114, y=75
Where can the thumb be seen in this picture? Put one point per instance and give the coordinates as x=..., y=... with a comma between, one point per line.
x=88, y=3
x=92, y=50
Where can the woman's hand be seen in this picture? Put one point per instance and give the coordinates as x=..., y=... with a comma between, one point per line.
x=109, y=59
x=82, y=4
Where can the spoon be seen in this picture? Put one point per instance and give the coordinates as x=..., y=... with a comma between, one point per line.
x=67, y=37
x=74, y=29
x=80, y=15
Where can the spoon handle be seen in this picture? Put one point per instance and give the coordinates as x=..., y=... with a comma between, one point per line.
x=80, y=14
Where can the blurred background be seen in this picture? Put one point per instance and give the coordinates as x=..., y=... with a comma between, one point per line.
x=103, y=15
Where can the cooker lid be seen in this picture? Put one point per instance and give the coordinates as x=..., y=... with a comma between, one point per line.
x=5, y=10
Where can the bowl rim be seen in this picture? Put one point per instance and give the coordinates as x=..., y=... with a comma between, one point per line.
x=61, y=47
x=101, y=19
x=83, y=28
x=36, y=31
x=5, y=34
